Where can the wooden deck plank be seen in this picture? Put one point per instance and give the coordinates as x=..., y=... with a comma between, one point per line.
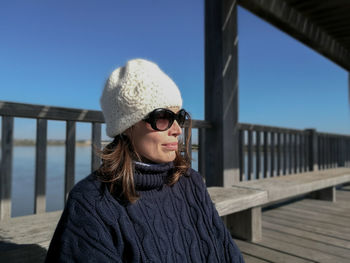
x=324, y=207
x=311, y=215
x=314, y=217
x=271, y=255
x=302, y=252
x=251, y=259
x=306, y=234
x=308, y=226
x=299, y=246
x=304, y=231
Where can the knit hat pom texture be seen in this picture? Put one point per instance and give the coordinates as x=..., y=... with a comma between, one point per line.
x=133, y=91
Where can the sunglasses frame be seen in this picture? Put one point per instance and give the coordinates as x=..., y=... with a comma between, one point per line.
x=151, y=118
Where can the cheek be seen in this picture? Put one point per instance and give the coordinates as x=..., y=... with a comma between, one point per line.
x=150, y=147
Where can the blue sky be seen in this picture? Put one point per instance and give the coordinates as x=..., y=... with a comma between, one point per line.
x=59, y=53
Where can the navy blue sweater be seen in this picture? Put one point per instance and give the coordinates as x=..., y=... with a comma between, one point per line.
x=176, y=223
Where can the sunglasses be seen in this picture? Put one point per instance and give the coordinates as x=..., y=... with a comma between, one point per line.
x=162, y=119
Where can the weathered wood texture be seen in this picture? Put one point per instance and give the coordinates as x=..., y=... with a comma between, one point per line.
x=40, y=166
x=303, y=231
x=301, y=151
x=233, y=199
x=6, y=167
x=70, y=158
x=279, y=188
x=221, y=92
x=314, y=24
x=95, y=146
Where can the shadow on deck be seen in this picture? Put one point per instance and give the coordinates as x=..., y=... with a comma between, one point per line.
x=303, y=231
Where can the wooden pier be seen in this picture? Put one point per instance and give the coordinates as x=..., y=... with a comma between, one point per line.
x=251, y=166
x=306, y=230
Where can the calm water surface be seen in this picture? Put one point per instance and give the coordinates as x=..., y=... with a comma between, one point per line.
x=24, y=170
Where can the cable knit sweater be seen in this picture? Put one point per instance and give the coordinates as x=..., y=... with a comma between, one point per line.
x=176, y=223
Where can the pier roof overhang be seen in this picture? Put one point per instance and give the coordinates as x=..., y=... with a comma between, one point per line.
x=322, y=25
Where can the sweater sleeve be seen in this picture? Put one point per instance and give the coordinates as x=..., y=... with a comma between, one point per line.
x=82, y=236
x=230, y=251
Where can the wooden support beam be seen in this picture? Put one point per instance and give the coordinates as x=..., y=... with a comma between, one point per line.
x=70, y=158
x=221, y=92
x=95, y=144
x=327, y=194
x=40, y=166
x=6, y=167
x=313, y=150
x=246, y=224
x=299, y=26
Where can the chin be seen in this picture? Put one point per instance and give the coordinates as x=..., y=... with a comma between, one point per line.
x=169, y=157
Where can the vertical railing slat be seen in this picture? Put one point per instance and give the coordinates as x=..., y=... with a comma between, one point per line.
x=290, y=151
x=201, y=151
x=295, y=146
x=306, y=150
x=95, y=145
x=241, y=154
x=285, y=149
x=265, y=154
x=189, y=144
x=272, y=154
x=257, y=150
x=40, y=166
x=250, y=146
x=6, y=167
x=70, y=157
x=278, y=153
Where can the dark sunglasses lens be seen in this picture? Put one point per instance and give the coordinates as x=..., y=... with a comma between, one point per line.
x=181, y=117
x=163, y=120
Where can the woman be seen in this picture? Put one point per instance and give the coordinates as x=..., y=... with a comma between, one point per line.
x=145, y=203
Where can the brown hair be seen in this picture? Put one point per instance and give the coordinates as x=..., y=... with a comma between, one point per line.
x=117, y=164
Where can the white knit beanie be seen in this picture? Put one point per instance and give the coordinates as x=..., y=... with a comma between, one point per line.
x=133, y=91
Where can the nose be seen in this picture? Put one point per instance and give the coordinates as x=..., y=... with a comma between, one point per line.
x=175, y=129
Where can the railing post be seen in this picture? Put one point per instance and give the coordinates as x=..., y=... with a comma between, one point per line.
x=40, y=166
x=341, y=151
x=313, y=149
x=70, y=158
x=6, y=167
x=95, y=144
x=201, y=151
x=221, y=92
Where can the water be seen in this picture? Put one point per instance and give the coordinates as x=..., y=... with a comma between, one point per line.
x=24, y=170
x=23, y=176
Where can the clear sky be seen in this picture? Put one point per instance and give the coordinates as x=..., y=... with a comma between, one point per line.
x=59, y=53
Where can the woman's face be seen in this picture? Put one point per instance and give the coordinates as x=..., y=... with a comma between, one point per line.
x=155, y=146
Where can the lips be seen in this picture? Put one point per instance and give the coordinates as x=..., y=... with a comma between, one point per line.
x=171, y=146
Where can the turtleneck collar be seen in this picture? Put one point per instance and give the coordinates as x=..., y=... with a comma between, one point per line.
x=151, y=176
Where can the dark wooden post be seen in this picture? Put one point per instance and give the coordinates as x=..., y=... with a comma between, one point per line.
x=313, y=149
x=221, y=92
x=70, y=158
x=95, y=144
x=201, y=151
x=221, y=108
x=6, y=167
x=40, y=166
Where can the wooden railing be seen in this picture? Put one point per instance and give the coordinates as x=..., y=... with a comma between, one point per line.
x=264, y=151
x=10, y=110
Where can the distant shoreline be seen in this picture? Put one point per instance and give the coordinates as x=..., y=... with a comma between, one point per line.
x=28, y=142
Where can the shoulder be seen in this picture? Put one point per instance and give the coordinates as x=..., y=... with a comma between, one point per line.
x=90, y=201
x=194, y=182
x=195, y=177
x=89, y=188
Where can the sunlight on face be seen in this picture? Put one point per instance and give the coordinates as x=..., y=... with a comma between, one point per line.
x=155, y=146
